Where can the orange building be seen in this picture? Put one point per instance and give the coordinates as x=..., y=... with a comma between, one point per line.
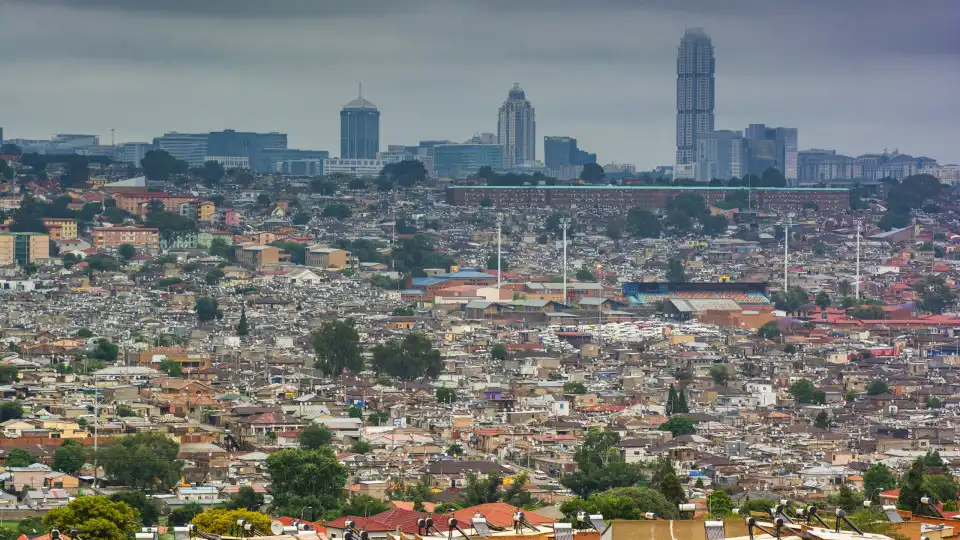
x=188, y=360
x=61, y=228
x=135, y=236
x=139, y=203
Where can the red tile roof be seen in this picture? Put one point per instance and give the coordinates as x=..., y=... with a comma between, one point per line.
x=498, y=514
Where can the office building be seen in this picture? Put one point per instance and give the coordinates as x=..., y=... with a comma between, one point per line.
x=132, y=152
x=21, y=248
x=817, y=165
x=562, y=151
x=289, y=161
x=696, y=69
x=189, y=147
x=359, y=129
x=517, y=129
x=359, y=168
x=60, y=228
x=890, y=164
x=243, y=149
x=720, y=154
x=775, y=148
x=464, y=160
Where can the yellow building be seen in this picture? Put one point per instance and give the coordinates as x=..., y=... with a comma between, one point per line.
x=61, y=228
x=22, y=248
x=205, y=211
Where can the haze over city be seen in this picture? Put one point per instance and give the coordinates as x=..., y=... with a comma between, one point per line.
x=858, y=76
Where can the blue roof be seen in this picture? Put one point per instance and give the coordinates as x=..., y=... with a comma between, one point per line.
x=469, y=274
x=427, y=281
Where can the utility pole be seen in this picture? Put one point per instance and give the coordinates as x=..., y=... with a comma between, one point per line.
x=564, y=224
x=857, y=294
x=600, y=311
x=96, y=430
x=499, y=250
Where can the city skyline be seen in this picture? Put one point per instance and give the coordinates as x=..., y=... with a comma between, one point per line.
x=830, y=79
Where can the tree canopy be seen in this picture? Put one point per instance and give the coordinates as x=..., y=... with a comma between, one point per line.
x=69, y=457
x=411, y=358
x=306, y=478
x=96, y=518
x=315, y=436
x=337, y=346
x=155, y=456
x=221, y=521
x=599, y=465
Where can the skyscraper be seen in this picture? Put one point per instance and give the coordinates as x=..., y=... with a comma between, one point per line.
x=517, y=129
x=720, y=154
x=696, y=67
x=359, y=129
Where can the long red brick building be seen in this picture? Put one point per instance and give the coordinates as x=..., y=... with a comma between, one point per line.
x=649, y=197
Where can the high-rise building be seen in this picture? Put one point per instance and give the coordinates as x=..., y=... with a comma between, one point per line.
x=21, y=248
x=189, y=147
x=772, y=148
x=818, y=165
x=463, y=160
x=562, y=151
x=696, y=68
x=517, y=129
x=359, y=129
x=720, y=154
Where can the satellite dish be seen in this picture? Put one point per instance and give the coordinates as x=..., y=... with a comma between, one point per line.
x=276, y=528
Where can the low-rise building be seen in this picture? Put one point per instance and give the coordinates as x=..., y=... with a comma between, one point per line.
x=112, y=237
x=21, y=248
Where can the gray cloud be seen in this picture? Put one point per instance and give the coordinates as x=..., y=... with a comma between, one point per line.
x=858, y=75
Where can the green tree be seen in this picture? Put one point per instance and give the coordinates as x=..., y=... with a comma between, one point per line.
x=850, y=396
x=10, y=410
x=498, y=352
x=678, y=426
x=160, y=166
x=720, y=504
x=306, y=478
x=516, y=495
x=481, y=490
x=243, y=327
x=912, y=488
x=769, y=330
x=665, y=480
x=574, y=387
x=211, y=172
x=600, y=466
x=675, y=271
x=124, y=411
x=844, y=288
x=336, y=211
x=378, y=418
x=207, y=309
x=69, y=457
x=621, y=503
x=411, y=358
x=127, y=251
x=585, y=275
x=940, y=487
x=105, y=350
x=213, y=276
x=18, y=457
x=171, y=367
x=849, y=500
x=876, y=387
x=315, y=436
x=357, y=183
x=756, y=505
x=245, y=498
x=301, y=218
x=822, y=420
x=714, y=225
x=406, y=173
x=96, y=518
x=355, y=412
x=84, y=333
x=146, y=508
x=221, y=248
x=446, y=395
x=592, y=173
x=454, y=450
x=932, y=402
x=935, y=295
x=643, y=223
x=155, y=455
x=720, y=375
x=223, y=522
x=364, y=506
x=876, y=479
x=823, y=300
x=802, y=391
x=337, y=346
x=361, y=447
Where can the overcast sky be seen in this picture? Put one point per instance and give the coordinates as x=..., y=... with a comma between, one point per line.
x=853, y=75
